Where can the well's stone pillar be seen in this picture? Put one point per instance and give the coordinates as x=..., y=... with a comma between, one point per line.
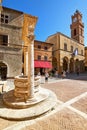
x=31, y=68
x=26, y=63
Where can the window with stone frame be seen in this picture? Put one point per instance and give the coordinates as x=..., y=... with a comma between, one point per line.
x=81, y=32
x=39, y=57
x=4, y=40
x=71, y=48
x=81, y=52
x=39, y=46
x=45, y=58
x=45, y=48
x=65, y=47
x=4, y=18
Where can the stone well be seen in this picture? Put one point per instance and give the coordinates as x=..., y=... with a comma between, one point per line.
x=22, y=86
x=19, y=97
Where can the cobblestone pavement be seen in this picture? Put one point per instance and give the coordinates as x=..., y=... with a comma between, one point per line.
x=70, y=113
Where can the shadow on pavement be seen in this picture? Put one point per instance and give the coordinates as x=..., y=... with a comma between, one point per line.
x=81, y=76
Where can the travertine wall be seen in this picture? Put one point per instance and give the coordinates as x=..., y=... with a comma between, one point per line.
x=11, y=55
x=86, y=57
x=17, y=29
x=59, y=53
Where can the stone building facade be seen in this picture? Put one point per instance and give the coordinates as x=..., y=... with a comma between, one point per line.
x=42, y=56
x=86, y=58
x=68, y=53
x=14, y=28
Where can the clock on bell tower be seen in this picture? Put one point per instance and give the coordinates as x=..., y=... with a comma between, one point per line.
x=75, y=19
x=77, y=27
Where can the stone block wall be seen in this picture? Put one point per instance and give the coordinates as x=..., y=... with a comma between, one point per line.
x=11, y=55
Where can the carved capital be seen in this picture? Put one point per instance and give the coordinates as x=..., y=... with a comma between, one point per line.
x=0, y=1
x=31, y=37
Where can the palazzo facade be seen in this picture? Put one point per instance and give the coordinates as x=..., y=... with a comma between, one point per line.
x=85, y=58
x=68, y=53
x=42, y=56
x=15, y=27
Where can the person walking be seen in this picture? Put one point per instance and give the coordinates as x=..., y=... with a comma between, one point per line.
x=63, y=75
x=46, y=76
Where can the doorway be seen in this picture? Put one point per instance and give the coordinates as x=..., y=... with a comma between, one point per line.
x=3, y=71
x=65, y=63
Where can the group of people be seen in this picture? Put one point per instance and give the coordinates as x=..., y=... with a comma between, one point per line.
x=47, y=75
x=56, y=75
x=63, y=74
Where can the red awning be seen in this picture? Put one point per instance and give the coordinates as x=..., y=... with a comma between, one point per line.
x=42, y=64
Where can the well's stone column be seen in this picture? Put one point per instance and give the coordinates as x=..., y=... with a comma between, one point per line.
x=26, y=63
x=31, y=66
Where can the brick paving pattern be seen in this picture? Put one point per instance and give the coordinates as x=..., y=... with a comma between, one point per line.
x=67, y=89
x=81, y=105
x=63, y=120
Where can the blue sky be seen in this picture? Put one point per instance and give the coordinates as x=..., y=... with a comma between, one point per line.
x=53, y=15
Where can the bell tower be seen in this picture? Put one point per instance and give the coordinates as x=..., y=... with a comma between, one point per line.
x=77, y=27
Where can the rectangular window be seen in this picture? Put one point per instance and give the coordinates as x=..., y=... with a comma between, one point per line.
x=65, y=47
x=74, y=32
x=39, y=57
x=81, y=52
x=71, y=48
x=39, y=46
x=45, y=58
x=4, y=40
x=4, y=18
x=81, y=32
x=45, y=48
